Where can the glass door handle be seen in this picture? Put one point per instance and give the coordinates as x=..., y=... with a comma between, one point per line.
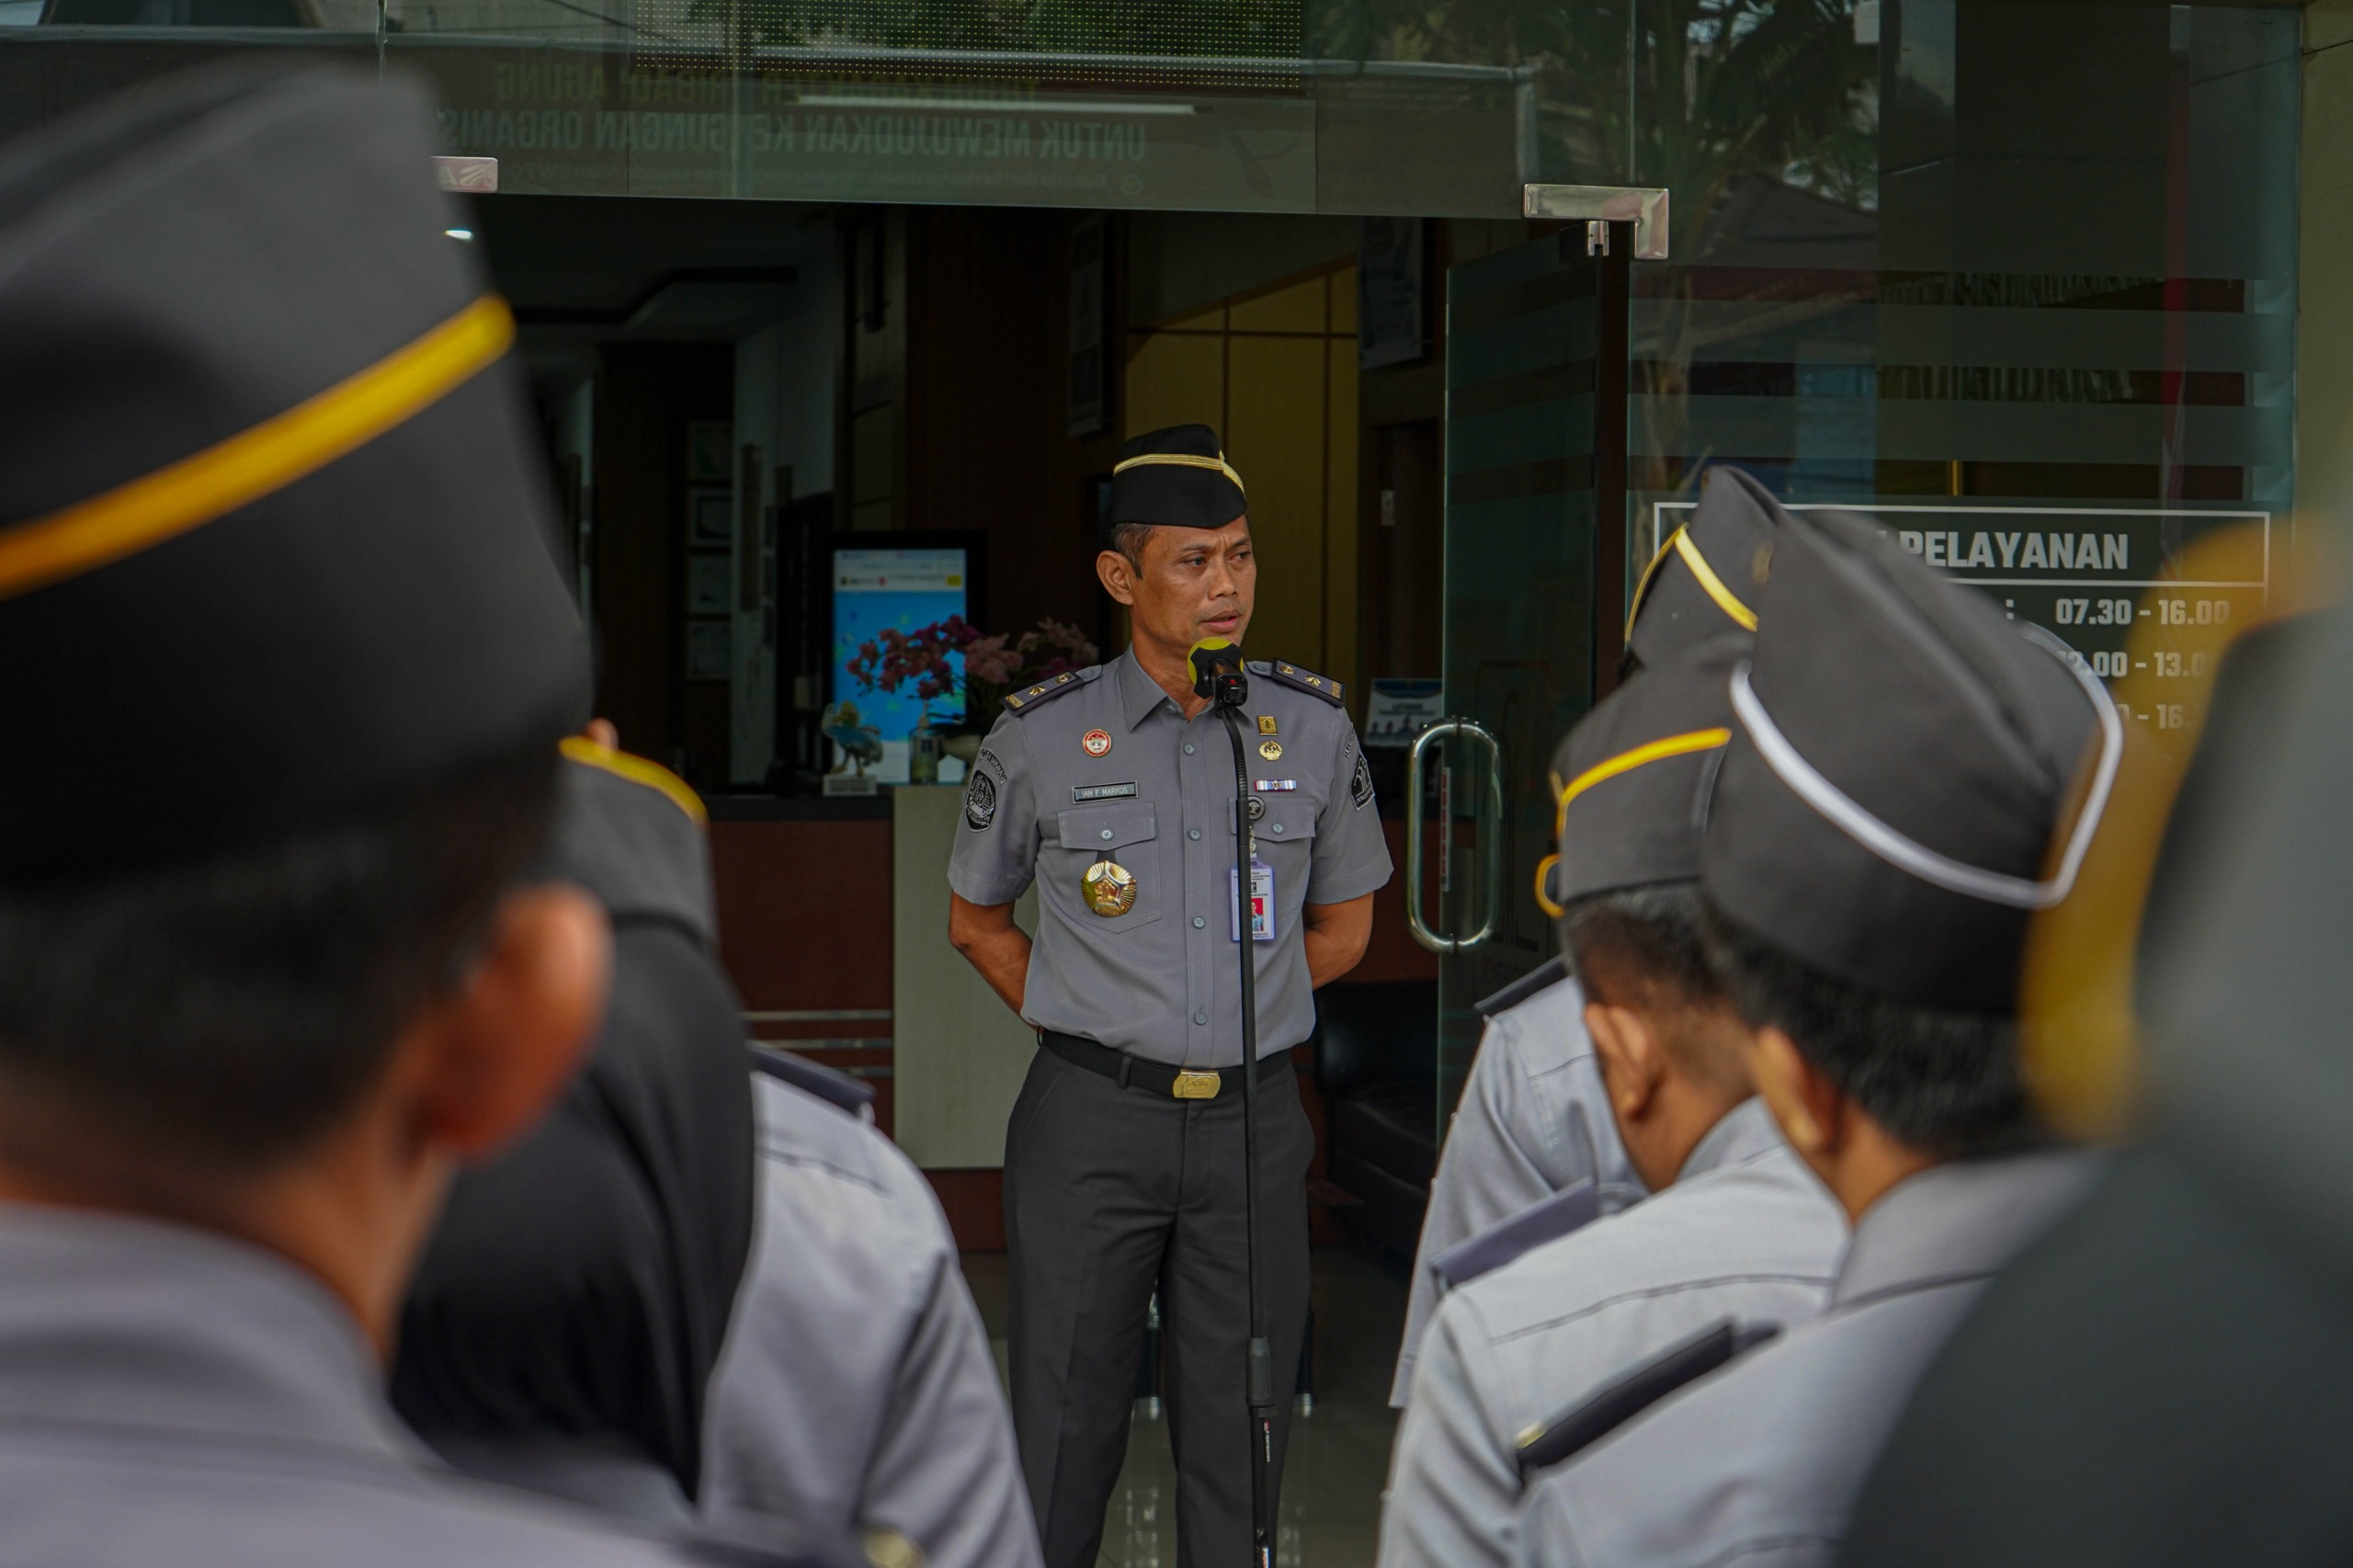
x=1493, y=836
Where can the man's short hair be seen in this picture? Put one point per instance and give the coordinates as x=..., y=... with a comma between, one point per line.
x=1127, y=539
x=1947, y=1084
x=1641, y=948
x=228, y=1013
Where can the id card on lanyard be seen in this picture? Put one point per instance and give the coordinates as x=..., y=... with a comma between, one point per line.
x=1262, y=901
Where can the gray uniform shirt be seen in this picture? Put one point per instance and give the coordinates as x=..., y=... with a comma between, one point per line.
x=1745, y=1233
x=1533, y=1120
x=1761, y=1462
x=1107, y=765
x=857, y=1388
x=169, y=1396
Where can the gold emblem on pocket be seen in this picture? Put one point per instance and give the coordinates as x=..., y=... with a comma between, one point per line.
x=1271, y=750
x=1266, y=724
x=1109, y=887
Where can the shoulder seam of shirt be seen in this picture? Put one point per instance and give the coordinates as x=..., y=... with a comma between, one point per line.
x=1652, y=1292
x=1910, y=1287
x=804, y=1159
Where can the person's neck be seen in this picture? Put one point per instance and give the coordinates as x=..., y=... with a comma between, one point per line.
x=1868, y=1167
x=331, y=1213
x=1692, y=1113
x=1171, y=670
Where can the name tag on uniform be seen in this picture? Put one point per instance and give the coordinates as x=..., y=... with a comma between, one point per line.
x=1082, y=793
x=1262, y=902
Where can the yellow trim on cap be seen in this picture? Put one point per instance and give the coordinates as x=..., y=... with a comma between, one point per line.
x=637, y=770
x=1553, y=911
x=1627, y=761
x=1710, y=584
x=254, y=463
x=1183, y=460
x=1643, y=584
x=1740, y=614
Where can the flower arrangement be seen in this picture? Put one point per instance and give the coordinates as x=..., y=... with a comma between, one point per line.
x=994, y=663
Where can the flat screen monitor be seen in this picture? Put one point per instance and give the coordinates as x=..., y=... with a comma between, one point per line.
x=910, y=582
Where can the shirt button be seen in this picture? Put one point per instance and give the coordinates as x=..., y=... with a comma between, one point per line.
x=1188, y=748
x=1106, y=833
x=1278, y=830
x=1200, y=1018
x=1198, y=921
x=1192, y=832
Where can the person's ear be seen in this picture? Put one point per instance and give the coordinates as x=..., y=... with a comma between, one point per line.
x=1117, y=575
x=1810, y=1110
x=495, y=1050
x=1629, y=1056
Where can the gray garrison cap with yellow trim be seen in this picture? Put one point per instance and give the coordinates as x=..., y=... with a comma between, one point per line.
x=274, y=541
x=1632, y=779
x=1702, y=582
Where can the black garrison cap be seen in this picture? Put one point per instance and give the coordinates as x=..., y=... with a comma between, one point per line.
x=1902, y=759
x=273, y=547
x=1702, y=582
x=1633, y=777
x=1176, y=478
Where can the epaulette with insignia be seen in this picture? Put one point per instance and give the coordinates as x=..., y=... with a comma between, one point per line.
x=1582, y=1425
x=1568, y=1211
x=1307, y=681
x=1045, y=691
x=1536, y=981
x=828, y=1083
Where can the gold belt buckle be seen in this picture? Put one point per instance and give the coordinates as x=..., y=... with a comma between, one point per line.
x=1192, y=1085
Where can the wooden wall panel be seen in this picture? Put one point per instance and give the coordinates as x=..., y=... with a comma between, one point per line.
x=804, y=913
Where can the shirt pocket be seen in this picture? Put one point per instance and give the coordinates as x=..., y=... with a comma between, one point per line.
x=1127, y=831
x=1285, y=834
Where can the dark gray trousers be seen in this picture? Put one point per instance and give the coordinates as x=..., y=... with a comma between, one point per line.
x=1108, y=1194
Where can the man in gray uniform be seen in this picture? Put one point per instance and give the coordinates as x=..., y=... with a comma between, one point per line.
x=1113, y=790
x=1894, y=805
x=857, y=1391
x=271, y=518
x=1740, y=1229
x=1533, y=1120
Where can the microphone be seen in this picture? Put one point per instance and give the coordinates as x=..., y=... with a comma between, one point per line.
x=1218, y=674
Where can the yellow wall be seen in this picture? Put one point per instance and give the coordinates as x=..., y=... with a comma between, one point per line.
x=1275, y=372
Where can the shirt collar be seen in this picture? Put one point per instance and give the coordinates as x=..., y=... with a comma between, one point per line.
x=136, y=1324
x=1138, y=693
x=1957, y=1221
x=1745, y=1133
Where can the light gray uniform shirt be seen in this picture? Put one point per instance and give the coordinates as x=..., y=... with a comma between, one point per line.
x=168, y=1395
x=1745, y=1233
x=1761, y=1462
x=1533, y=1120
x=857, y=1388
x=1102, y=763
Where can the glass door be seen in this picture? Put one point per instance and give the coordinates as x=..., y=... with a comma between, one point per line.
x=1535, y=579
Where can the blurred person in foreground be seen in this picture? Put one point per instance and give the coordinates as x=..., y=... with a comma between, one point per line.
x=267, y=516
x=2167, y=1378
x=1903, y=761
x=1533, y=1120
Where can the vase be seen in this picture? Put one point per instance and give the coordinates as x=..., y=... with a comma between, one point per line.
x=923, y=753
x=966, y=747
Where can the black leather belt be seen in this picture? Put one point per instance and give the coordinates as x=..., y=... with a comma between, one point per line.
x=1134, y=1072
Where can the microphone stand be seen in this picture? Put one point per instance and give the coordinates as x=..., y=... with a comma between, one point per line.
x=1229, y=692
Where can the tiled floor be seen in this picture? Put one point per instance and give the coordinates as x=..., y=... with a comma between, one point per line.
x=1339, y=1455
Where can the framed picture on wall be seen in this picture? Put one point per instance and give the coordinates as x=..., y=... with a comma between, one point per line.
x=707, y=583
x=711, y=520
x=710, y=649
x=709, y=445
